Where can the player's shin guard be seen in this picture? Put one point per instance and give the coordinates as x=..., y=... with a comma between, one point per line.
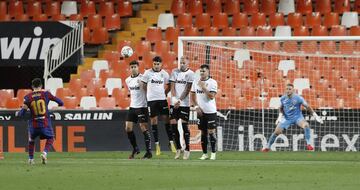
x=147, y=140
x=155, y=132
x=31, y=147
x=176, y=135
x=307, y=135
x=132, y=139
x=213, y=142
x=169, y=132
x=204, y=141
x=186, y=136
x=48, y=144
x=271, y=140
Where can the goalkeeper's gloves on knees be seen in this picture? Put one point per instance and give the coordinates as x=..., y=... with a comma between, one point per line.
x=317, y=118
x=279, y=118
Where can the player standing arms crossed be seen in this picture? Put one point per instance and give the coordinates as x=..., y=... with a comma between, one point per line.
x=181, y=81
x=40, y=122
x=138, y=112
x=156, y=85
x=290, y=114
x=203, y=93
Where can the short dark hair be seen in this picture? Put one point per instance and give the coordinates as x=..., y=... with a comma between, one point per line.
x=36, y=83
x=289, y=84
x=157, y=59
x=134, y=63
x=205, y=66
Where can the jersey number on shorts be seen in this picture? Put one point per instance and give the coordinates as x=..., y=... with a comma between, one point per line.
x=39, y=107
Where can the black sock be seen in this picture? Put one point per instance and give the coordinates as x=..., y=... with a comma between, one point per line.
x=169, y=132
x=213, y=142
x=147, y=139
x=155, y=132
x=186, y=136
x=204, y=141
x=176, y=135
x=132, y=139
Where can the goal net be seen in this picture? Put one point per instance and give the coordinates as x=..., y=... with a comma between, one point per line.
x=252, y=73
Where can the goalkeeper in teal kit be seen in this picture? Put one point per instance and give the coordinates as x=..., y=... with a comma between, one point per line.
x=290, y=114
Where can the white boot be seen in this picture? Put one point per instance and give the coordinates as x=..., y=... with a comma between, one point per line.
x=177, y=154
x=213, y=156
x=186, y=155
x=204, y=157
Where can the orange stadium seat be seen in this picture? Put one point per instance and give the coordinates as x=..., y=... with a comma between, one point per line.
x=319, y=31
x=125, y=8
x=100, y=93
x=87, y=8
x=342, y=6
x=290, y=47
x=21, y=93
x=15, y=7
x=346, y=47
x=338, y=30
x=213, y=7
x=153, y=34
x=112, y=22
x=86, y=34
x=70, y=102
x=100, y=36
x=3, y=8
x=271, y=46
x=94, y=21
x=276, y=19
x=258, y=19
x=327, y=47
x=268, y=6
x=93, y=85
x=107, y=103
x=202, y=20
x=304, y=6
x=354, y=30
x=13, y=103
x=232, y=7
x=5, y=94
x=313, y=19
x=62, y=92
x=309, y=47
x=5, y=17
x=52, y=8
x=58, y=17
x=323, y=6
x=184, y=20
x=40, y=17
x=178, y=7
x=301, y=31
x=22, y=17
x=294, y=20
x=331, y=19
x=239, y=20
x=121, y=43
x=75, y=83
x=229, y=31
x=195, y=7
x=106, y=8
x=191, y=31
x=264, y=31
x=251, y=7
x=33, y=8
x=161, y=47
x=247, y=31
x=211, y=31
x=142, y=47
x=76, y=17
x=86, y=76
x=357, y=6
x=171, y=34
x=220, y=20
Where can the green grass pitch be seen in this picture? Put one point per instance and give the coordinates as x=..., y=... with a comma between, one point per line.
x=231, y=170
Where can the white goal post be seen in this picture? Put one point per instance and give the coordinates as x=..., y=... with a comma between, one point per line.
x=252, y=73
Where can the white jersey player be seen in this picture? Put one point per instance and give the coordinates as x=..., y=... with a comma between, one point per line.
x=138, y=112
x=181, y=81
x=203, y=93
x=156, y=84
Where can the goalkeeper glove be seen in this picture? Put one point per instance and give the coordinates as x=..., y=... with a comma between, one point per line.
x=317, y=118
x=279, y=118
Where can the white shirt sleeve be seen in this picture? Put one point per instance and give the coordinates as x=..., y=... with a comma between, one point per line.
x=145, y=77
x=166, y=77
x=190, y=77
x=193, y=87
x=213, y=86
x=172, y=76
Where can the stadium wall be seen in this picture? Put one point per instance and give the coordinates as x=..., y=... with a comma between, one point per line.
x=95, y=130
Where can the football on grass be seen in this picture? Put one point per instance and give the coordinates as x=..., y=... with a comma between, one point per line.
x=127, y=51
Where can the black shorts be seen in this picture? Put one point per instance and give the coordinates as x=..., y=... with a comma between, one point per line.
x=136, y=115
x=158, y=107
x=208, y=121
x=179, y=113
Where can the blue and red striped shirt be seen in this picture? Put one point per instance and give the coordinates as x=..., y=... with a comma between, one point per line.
x=38, y=101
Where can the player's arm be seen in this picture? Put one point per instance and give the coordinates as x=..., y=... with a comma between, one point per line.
x=281, y=115
x=193, y=101
x=186, y=91
x=22, y=111
x=313, y=113
x=167, y=88
x=55, y=99
x=209, y=93
x=144, y=81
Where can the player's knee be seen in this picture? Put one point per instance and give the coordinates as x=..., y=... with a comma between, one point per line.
x=211, y=131
x=173, y=121
x=128, y=128
x=153, y=121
